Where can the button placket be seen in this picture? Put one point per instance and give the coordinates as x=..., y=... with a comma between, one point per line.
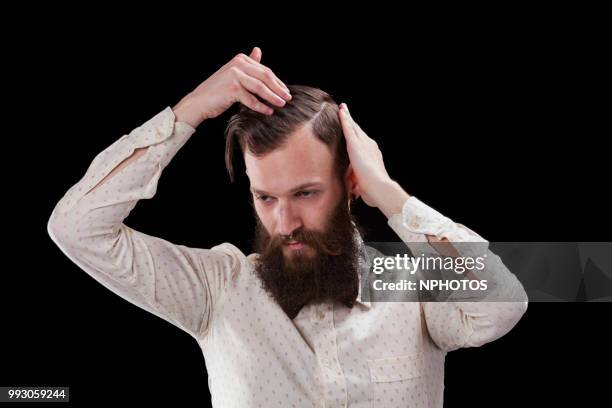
x=333, y=376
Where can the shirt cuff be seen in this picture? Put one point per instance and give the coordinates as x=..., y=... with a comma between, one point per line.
x=417, y=220
x=159, y=128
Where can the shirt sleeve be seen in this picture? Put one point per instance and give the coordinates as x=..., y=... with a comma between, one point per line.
x=455, y=323
x=182, y=285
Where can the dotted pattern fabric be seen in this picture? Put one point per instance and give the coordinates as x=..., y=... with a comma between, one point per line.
x=372, y=355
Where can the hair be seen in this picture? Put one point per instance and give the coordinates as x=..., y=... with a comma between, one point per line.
x=260, y=134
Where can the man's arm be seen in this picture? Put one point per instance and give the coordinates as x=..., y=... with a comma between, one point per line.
x=466, y=318
x=174, y=282
x=451, y=324
x=179, y=284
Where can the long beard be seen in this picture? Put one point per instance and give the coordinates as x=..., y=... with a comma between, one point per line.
x=328, y=273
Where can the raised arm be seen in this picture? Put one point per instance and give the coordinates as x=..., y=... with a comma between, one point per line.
x=180, y=284
x=451, y=324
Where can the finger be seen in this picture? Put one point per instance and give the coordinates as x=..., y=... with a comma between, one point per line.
x=358, y=132
x=251, y=102
x=268, y=76
x=257, y=87
x=345, y=120
x=348, y=121
x=256, y=54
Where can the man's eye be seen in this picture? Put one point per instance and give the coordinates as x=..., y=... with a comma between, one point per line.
x=263, y=198
x=306, y=193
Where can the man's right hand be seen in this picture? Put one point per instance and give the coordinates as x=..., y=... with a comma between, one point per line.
x=237, y=81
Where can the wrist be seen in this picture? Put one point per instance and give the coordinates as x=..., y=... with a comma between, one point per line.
x=392, y=198
x=185, y=111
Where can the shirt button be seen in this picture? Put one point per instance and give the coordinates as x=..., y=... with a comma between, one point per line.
x=325, y=362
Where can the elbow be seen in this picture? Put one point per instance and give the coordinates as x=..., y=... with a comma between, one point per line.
x=57, y=228
x=509, y=316
x=516, y=308
x=63, y=229
x=515, y=313
x=504, y=318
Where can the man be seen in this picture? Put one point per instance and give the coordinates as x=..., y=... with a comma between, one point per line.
x=286, y=325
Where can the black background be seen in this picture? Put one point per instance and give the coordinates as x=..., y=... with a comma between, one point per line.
x=498, y=126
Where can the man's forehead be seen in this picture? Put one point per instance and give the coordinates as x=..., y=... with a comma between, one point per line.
x=302, y=160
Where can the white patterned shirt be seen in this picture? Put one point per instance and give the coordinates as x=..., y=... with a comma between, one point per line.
x=383, y=354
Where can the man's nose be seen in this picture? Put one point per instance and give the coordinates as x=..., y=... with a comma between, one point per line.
x=288, y=219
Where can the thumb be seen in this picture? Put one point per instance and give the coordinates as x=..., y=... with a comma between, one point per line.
x=256, y=54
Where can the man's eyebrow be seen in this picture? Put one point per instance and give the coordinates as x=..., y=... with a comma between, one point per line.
x=293, y=190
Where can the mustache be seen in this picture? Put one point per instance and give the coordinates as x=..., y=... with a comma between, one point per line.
x=323, y=243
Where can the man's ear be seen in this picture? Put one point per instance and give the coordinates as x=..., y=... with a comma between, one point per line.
x=350, y=181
